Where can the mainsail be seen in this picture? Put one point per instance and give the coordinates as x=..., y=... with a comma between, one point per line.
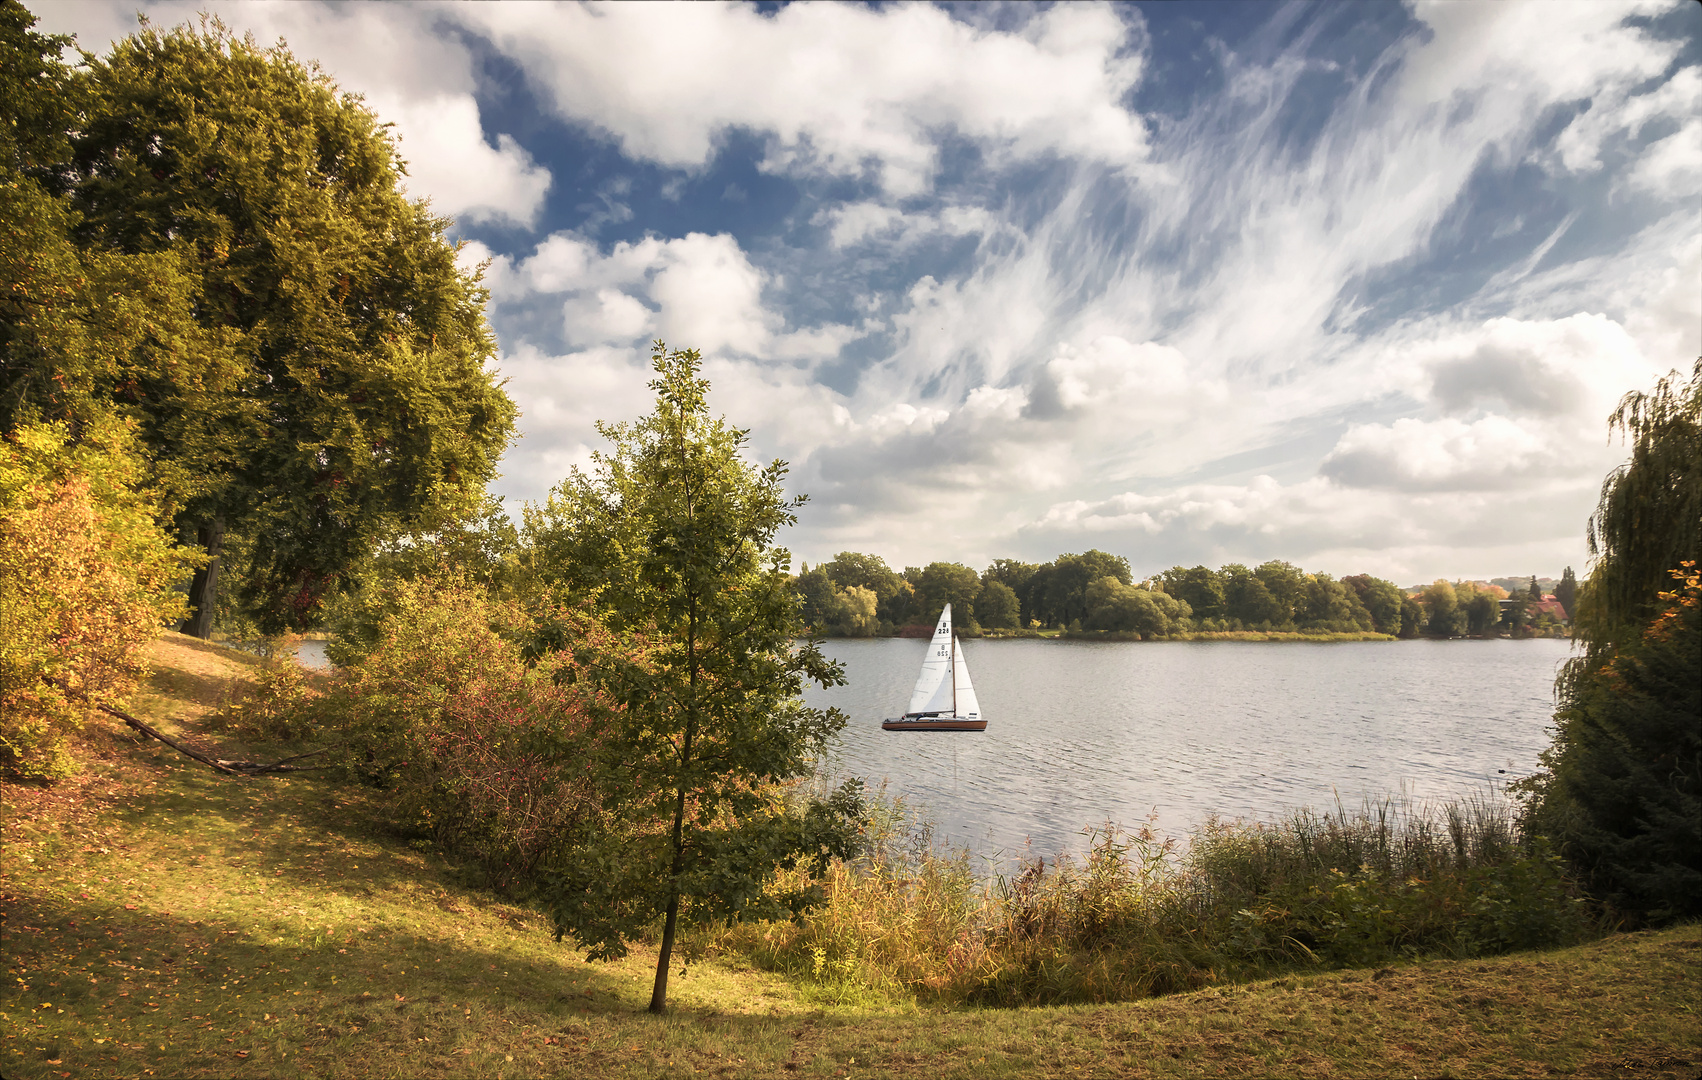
x=933, y=690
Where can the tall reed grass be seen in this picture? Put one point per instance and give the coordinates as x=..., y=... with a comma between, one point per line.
x=1138, y=915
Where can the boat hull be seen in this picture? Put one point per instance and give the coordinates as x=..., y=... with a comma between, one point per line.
x=949, y=723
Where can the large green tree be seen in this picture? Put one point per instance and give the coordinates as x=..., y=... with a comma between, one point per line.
x=1621, y=790
x=1056, y=593
x=997, y=608
x=1247, y=599
x=942, y=583
x=1014, y=574
x=1443, y=616
x=314, y=374
x=851, y=569
x=669, y=543
x=1113, y=605
x=1381, y=600
x=1201, y=587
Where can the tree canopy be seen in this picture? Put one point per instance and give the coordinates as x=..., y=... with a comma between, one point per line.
x=306, y=364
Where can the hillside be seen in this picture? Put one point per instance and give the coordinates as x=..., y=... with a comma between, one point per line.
x=163, y=920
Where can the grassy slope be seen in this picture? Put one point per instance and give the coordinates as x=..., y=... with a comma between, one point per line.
x=162, y=920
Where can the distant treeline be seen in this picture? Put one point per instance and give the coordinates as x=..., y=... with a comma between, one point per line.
x=857, y=595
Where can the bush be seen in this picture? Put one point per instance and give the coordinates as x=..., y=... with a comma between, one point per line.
x=480, y=751
x=86, y=581
x=277, y=703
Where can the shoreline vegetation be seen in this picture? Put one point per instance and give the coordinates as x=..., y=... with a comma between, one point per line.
x=1116, y=635
x=162, y=919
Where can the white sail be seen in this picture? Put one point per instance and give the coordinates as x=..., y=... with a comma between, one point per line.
x=933, y=689
x=967, y=706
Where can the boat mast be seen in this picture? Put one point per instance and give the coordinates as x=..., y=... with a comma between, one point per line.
x=954, y=672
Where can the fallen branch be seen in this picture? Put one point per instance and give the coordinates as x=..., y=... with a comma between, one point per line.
x=234, y=768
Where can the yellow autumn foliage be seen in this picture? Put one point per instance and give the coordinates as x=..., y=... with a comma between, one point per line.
x=87, y=579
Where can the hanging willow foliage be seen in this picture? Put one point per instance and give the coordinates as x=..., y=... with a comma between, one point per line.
x=1621, y=788
x=1649, y=519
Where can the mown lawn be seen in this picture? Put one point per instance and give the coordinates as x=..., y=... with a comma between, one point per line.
x=160, y=920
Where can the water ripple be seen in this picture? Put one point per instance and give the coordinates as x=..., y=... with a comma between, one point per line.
x=1085, y=732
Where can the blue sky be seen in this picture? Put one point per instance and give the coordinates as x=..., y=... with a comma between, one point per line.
x=1353, y=285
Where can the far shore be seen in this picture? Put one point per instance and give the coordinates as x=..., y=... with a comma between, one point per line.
x=1200, y=635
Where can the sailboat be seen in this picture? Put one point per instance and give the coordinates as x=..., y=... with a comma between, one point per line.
x=943, y=699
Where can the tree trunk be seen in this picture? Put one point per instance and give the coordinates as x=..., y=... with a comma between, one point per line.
x=204, y=588
x=665, y=954
x=665, y=957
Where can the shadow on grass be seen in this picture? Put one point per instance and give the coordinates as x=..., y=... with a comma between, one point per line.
x=105, y=990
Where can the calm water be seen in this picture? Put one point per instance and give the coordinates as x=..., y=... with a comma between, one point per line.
x=1084, y=732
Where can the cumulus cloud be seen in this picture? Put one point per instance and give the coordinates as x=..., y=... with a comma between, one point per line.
x=838, y=87
x=697, y=290
x=1441, y=455
x=450, y=162
x=1573, y=367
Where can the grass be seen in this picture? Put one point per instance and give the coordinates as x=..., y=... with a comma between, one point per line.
x=161, y=920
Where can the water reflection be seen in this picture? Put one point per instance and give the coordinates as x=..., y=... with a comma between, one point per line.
x=1085, y=732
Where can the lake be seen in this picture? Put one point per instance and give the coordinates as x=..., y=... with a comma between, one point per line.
x=1080, y=733
x=312, y=654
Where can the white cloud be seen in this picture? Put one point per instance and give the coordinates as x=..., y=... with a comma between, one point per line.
x=1673, y=166
x=711, y=296
x=862, y=222
x=838, y=87
x=698, y=290
x=1571, y=368
x=1612, y=110
x=605, y=316
x=1512, y=401
x=1556, y=50
x=450, y=162
x=1440, y=455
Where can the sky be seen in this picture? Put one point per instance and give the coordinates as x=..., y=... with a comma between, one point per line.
x=1354, y=285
